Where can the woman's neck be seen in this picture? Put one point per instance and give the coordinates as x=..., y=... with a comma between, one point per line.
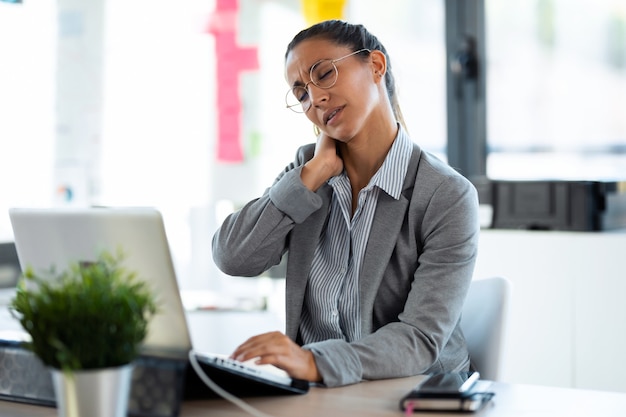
x=364, y=154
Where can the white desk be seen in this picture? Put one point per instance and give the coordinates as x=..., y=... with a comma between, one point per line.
x=381, y=399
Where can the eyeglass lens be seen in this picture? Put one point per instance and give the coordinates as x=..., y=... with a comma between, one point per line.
x=323, y=74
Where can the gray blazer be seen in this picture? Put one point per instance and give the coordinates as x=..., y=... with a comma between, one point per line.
x=416, y=271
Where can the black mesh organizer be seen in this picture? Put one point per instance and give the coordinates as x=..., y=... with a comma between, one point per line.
x=156, y=390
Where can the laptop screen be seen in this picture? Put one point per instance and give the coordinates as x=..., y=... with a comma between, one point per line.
x=60, y=236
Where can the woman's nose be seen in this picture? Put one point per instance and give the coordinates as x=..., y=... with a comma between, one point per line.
x=317, y=94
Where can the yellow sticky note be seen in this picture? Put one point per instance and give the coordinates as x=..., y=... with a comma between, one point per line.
x=316, y=11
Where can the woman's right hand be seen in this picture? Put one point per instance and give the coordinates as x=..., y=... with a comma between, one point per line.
x=325, y=164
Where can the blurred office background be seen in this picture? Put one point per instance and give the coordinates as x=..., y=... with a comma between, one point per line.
x=143, y=85
x=115, y=103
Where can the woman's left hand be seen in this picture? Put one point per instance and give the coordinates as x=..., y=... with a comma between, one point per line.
x=276, y=349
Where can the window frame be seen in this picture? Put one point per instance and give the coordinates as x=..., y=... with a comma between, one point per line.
x=465, y=94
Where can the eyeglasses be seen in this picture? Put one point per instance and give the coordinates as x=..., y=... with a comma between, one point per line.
x=323, y=74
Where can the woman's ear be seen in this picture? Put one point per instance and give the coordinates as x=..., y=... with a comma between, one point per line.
x=379, y=63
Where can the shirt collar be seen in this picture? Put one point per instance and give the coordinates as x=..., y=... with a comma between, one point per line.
x=390, y=176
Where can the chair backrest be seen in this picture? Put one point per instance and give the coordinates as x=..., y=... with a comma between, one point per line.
x=483, y=322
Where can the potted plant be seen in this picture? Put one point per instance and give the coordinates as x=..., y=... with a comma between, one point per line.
x=86, y=323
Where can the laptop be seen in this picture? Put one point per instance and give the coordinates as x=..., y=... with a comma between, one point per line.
x=58, y=236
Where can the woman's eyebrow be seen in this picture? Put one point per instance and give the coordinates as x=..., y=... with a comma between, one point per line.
x=299, y=83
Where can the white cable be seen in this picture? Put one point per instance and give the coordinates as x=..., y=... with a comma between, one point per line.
x=222, y=392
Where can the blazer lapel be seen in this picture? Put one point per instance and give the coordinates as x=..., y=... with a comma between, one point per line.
x=304, y=239
x=386, y=226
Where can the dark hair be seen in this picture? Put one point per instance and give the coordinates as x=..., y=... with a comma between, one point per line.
x=356, y=37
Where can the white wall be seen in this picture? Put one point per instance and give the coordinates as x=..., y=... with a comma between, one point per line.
x=567, y=312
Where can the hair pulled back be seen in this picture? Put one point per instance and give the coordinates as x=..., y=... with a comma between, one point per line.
x=355, y=37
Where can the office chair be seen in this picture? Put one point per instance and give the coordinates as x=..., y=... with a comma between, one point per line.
x=483, y=322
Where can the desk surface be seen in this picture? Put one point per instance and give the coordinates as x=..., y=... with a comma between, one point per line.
x=381, y=398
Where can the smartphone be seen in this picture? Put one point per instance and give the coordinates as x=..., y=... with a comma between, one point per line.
x=460, y=391
x=448, y=383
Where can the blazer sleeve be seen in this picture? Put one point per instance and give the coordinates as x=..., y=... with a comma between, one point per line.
x=424, y=336
x=254, y=238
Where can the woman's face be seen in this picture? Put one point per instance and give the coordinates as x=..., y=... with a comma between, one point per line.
x=340, y=111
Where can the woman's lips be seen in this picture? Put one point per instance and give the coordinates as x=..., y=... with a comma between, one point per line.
x=331, y=114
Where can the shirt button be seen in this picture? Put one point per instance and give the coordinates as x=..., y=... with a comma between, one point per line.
x=335, y=313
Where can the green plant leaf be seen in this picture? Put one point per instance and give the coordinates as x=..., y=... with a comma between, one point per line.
x=88, y=316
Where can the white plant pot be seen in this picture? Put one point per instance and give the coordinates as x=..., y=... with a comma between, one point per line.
x=93, y=393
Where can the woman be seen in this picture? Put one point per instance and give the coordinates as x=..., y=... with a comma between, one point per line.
x=380, y=236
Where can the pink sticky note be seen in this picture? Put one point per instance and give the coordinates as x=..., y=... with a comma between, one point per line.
x=231, y=61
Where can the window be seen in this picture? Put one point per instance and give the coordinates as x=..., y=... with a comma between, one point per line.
x=556, y=89
x=27, y=45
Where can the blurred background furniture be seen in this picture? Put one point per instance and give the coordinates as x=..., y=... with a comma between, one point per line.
x=484, y=323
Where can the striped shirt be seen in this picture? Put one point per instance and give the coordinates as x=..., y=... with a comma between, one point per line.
x=331, y=305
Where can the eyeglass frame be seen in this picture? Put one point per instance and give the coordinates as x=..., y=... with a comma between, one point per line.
x=305, y=86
